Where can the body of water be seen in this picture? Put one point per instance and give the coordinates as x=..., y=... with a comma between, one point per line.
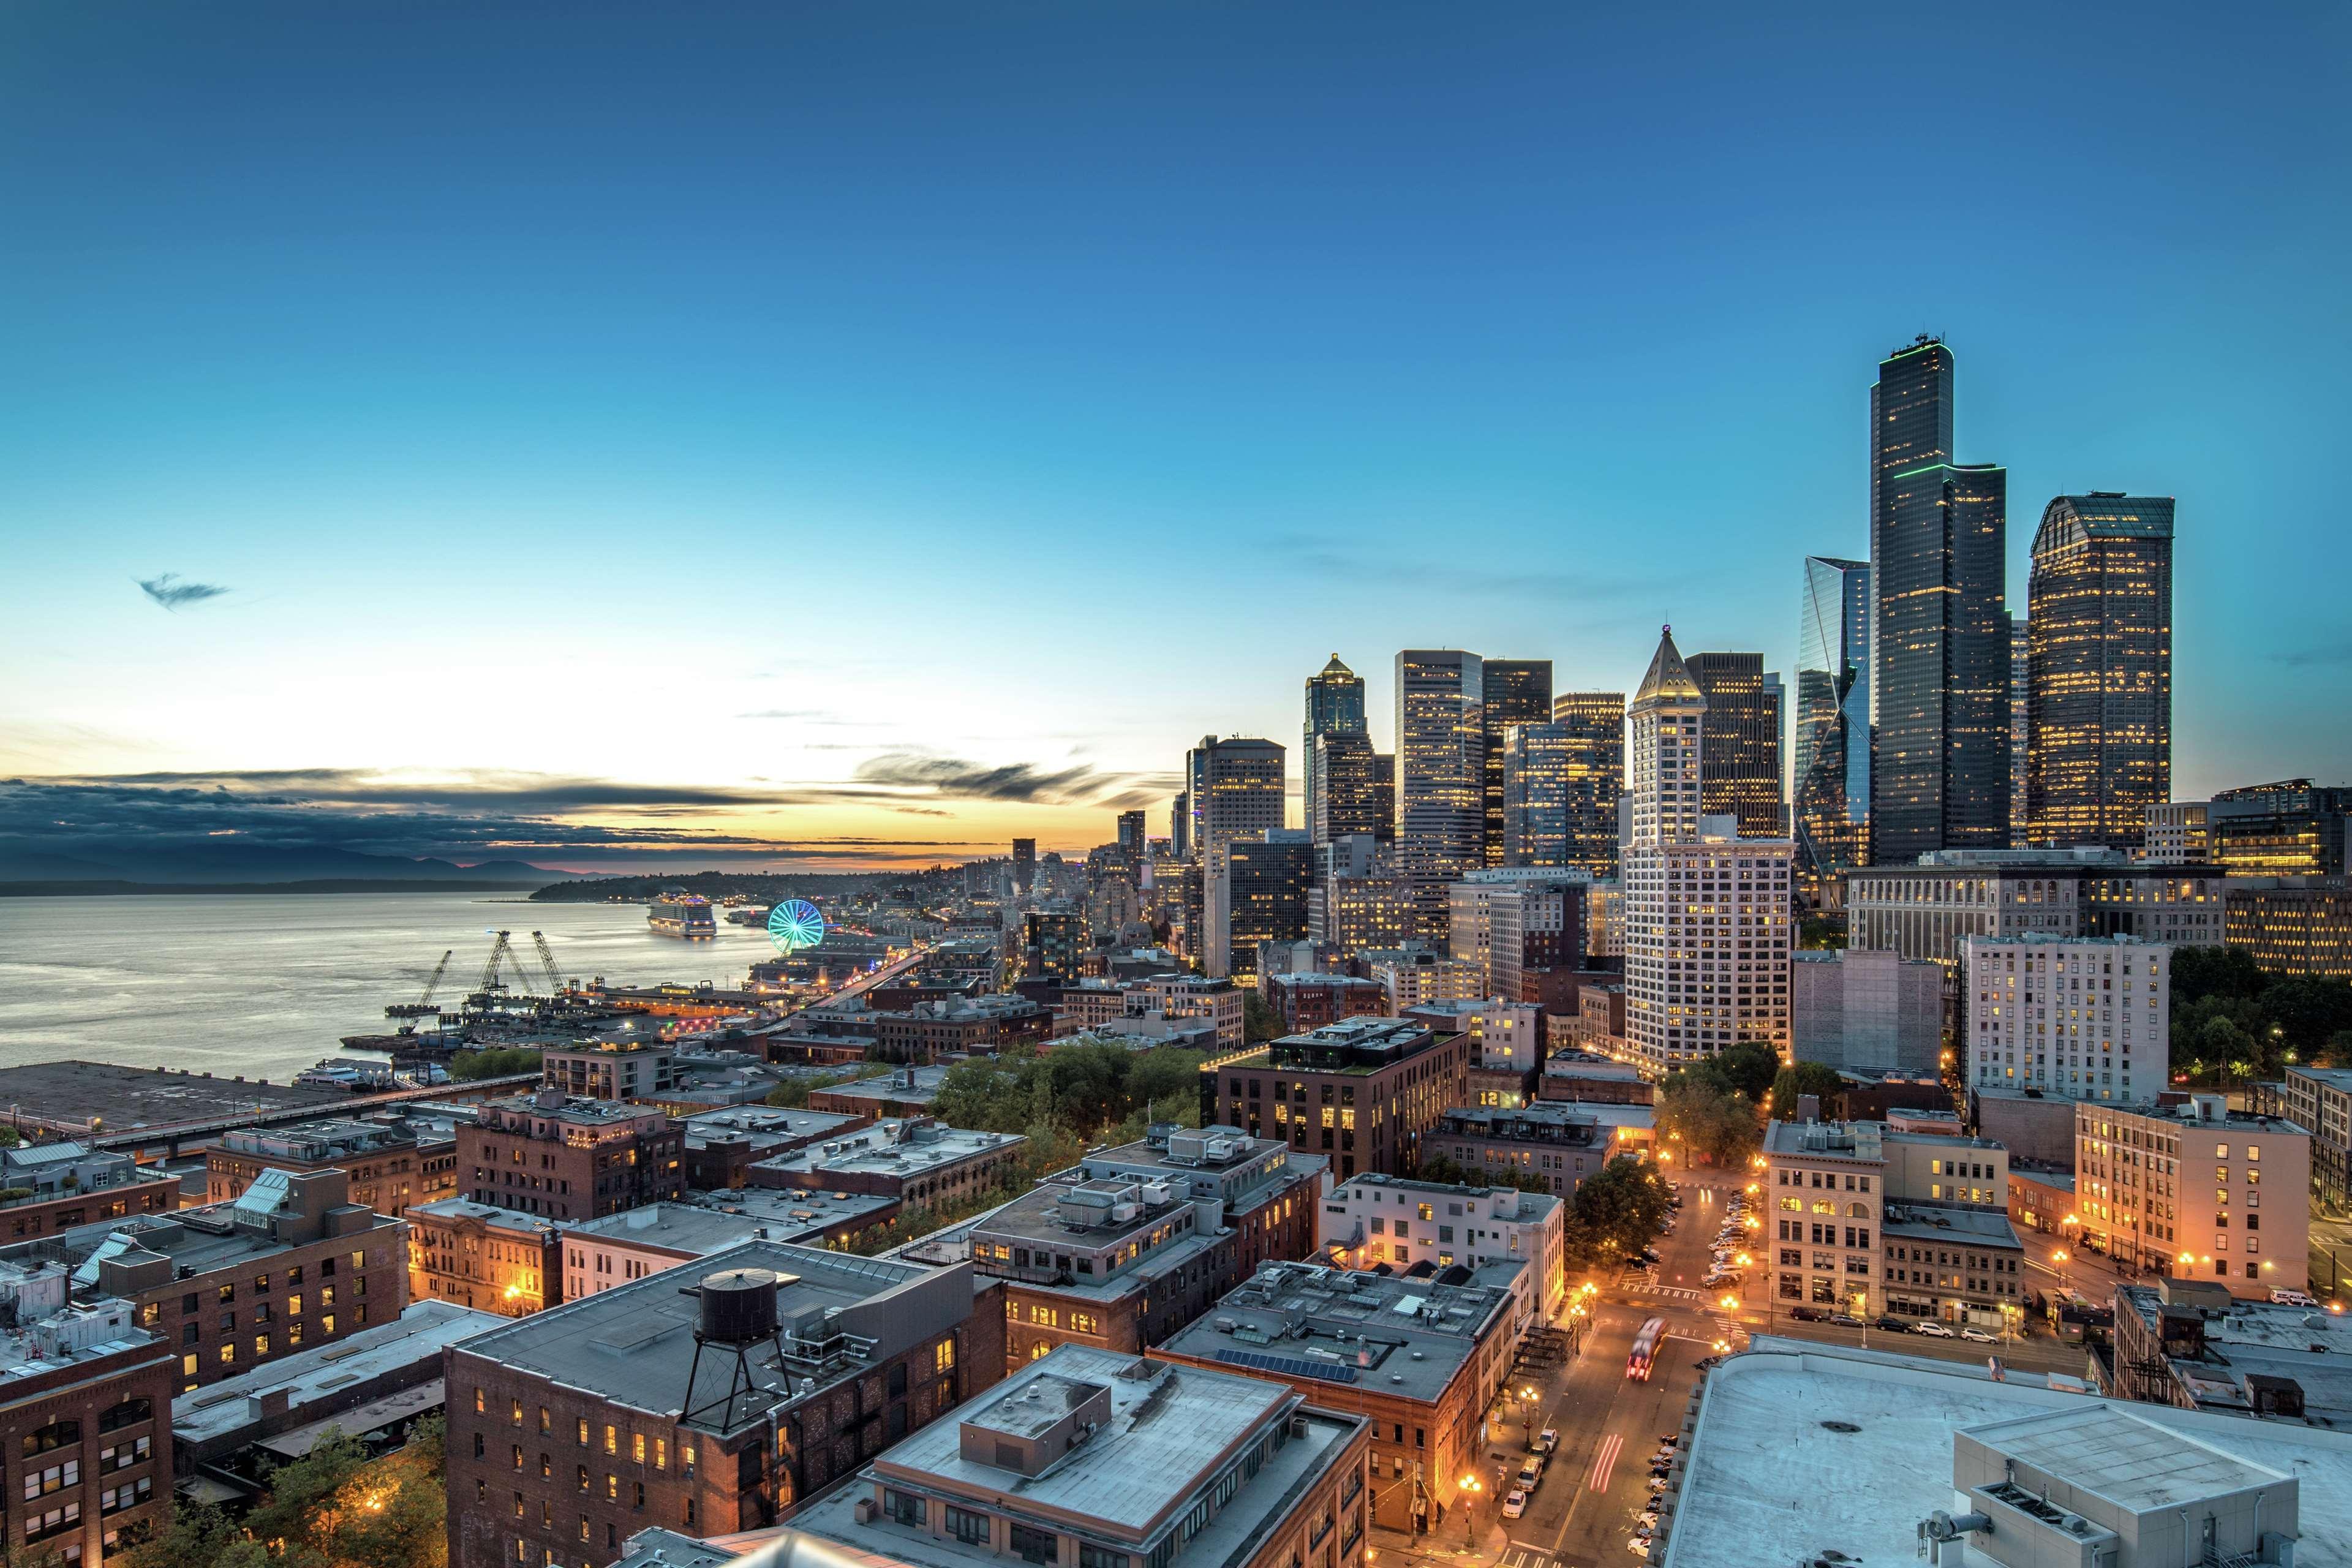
x=266, y=984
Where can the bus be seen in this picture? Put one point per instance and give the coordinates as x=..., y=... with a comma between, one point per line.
x=1645, y=1350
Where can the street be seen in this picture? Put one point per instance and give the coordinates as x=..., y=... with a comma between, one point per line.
x=1583, y=1513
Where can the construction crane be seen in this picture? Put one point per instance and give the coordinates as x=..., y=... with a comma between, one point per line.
x=547, y=957
x=498, y=949
x=423, y=1006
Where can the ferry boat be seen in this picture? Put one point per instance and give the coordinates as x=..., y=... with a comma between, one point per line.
x=748, y=915
x=359, y=1078
x=681, y=914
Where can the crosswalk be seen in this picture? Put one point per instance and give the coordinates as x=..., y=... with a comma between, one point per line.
x=1521, y=1556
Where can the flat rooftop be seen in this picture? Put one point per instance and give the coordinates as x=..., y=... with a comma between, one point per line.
x=121, y=1099
x=1532, y=1206
x=489, y=1214
x=898, y=1146
x=721, y=1220
x=1801, y=1449
x=1935, y=1222
x=925, y=1081
x=1257, y=1327
x=417, y=1336
x=763, y=1123
x=1166, y=1432
x=634, y=1344
x=202, y=1239
x=76, y=1333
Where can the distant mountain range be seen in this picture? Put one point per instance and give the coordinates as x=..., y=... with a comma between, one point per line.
x=217, y=864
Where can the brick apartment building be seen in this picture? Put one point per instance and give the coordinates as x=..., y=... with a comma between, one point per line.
x=564, y=1158
x=291, y=1266
x=478, y=1256
x=573, y=1430
x=1360, y=1091
x=722, y=1146
x=1136, y=1241
x=1561, y=1141
x=85, y=1421
x=1305, y=1001
x=48, y=1187
x=386, y=1164
x=976, y=1026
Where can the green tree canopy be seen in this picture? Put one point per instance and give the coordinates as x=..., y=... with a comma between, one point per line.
x=1618, y=1210
x=1708, y=1122
x=1798, y=1079
x=503, y=1061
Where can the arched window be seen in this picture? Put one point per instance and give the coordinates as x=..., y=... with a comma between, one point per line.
x=1857, y=1211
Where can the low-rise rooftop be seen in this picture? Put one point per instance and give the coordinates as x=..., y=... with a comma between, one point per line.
x=713, y=1222
x=905, y=1146
x=293, y=1384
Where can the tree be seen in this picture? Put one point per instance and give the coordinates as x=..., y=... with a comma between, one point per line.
x=1749, y=1068
x=1260, y=1022
x=1711, y=1123
x=199, y=1536
x=794, y=1094
x=2202, y=972
x=497, y=1062
x=1798, y=1079
x=1618, y=1210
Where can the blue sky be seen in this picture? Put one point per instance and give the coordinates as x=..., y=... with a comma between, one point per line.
x=922, y=421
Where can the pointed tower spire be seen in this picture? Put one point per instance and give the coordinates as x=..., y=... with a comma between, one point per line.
x=1669, y=680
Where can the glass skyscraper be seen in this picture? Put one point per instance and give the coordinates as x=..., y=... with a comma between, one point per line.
x=1939, y=635
x=1742, y=765
x=1334, y=706
x=1593, y=724
x=2099, y=680
x=1440, y=775
x=1517, y=691
x=1348, y=796
x=1830, y=789
x=1535, y=795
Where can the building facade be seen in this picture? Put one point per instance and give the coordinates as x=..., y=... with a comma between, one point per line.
x=1862, y=1010
x=1376, y=1219
x=2099, y=681
x=560, y=1158
x=1830, y=735
x=1236, y=789
x=1254, y=890
x=59, y=1186
x=2319, y=1100
x=1739, y=763
x=2292, y=828
x=2178, y=1189
x=491, y=1259
x=1347, y=795
x=1361, y=1091
x=1513, y=692
x=1335, y=709
x=1940, y=688
x=1441, y=775
x=2071, y=1017
x=1595, y=723
x=1558, y=1142
x=2293, y=925
x=1506, y=928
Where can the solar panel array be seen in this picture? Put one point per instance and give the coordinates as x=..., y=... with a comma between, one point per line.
x=1288, y=1365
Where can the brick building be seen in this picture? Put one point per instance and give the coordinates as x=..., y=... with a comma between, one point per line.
x=563, y=1159
x=931, y=1032
x=633, y=1069
x=1208, y=1468
x=1304, y=1002
x=917, y=1159
x=85, y=1421
x=723, y=1145
x=2197, y=1190
x=1134, y=1242
x=573, y=1430
x=600, y=1254
x=1423, y=1376
x=1360, y=1091
x=292, y=1264
x=48, y=1187
x=1561, y=1142
x=385, y=1162
x=1593, y=1078
x=479, y=1256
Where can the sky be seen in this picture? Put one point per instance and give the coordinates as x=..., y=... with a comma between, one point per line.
x=856, y=435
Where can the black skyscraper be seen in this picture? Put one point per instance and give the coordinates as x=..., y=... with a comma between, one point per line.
x=1519, y=692
x=1939, y=644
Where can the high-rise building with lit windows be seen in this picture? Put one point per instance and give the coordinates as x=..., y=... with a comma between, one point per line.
x=1706, y=918
x=1830, y=783
x=2021, y=726
x=1536, y=795
x=1595, y=776
x=2099, y=683
x=1441, y=773
x=1939, y=635
x=2073, y=1017
x=1514, y=691
x=1346, y=797
x=1334, y=706
x=1235, y=788
x=1741, y=769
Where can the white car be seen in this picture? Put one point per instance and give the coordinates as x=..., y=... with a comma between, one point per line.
x=1980, y=1336
x=1657, y=1483
x=1932, y=1329
x=2286, y=1298
x=1638, y=1547
x=1515, y=1503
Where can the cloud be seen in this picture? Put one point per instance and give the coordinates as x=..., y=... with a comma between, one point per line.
x=170, y=593
x=2314, y=658
x=954, y=778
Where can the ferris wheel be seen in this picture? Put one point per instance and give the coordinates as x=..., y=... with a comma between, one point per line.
x=794, y=924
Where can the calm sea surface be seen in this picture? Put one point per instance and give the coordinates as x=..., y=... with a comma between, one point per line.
x=266, y=985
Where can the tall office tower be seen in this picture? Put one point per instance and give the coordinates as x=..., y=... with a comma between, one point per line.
x=2020, y=724
x=1179, y=826
x=1024, y=865
x=1829, y=787
x=1536, y=795
x=1939, y=636
x=1236, y=786
x=1516, y=691
x=1384, y=794
x=1254, y=890
x=1705, y=919
x=2099, y=692
x=1742, y=765
x=1347, y=797
x=1441, y=775
x=1334, y=706
x=1595, y=722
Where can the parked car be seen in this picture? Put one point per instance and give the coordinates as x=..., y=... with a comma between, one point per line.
x=1845, y=1320
x=1531, y=1472
x=1546, y=1440
x=1638, y=1547
x=1670, y=1441
x=1980, y=1336
x=1515, y=1502
x=1932, y=1329
x=2286, y=1298
x=1892, y=1325
x=1808, y=1314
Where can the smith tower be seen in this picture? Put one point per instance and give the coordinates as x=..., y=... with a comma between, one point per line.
x=1939, y=643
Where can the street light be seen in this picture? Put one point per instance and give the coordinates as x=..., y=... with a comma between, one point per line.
x=1470, y=1510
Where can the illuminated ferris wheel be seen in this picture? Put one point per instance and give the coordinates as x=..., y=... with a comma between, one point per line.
x=793, y=925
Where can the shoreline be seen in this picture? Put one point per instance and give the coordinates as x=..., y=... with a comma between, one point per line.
x=110, y=889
